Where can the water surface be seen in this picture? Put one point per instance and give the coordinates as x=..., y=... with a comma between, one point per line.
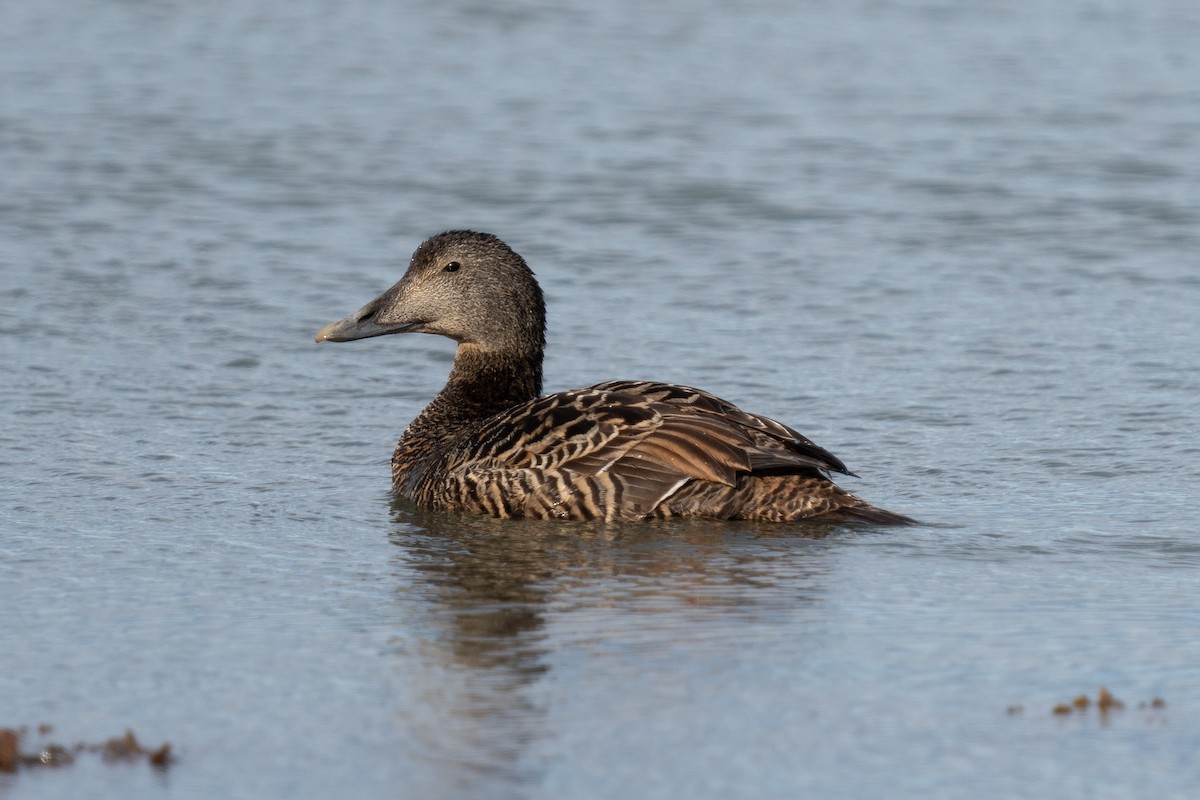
x=954, y=244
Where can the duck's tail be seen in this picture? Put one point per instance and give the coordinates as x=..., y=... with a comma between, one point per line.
x=879, y=516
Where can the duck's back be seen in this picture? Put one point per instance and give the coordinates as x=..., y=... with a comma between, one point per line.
x=629, y=450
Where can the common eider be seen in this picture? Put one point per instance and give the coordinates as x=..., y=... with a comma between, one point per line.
x=616, y=451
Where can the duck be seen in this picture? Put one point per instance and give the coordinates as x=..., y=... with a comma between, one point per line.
x=619, y=451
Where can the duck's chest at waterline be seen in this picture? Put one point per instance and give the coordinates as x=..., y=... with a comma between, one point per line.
x=414, y=462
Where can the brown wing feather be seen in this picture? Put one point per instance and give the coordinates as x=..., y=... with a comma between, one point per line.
x=634, y=444
x=780, y=445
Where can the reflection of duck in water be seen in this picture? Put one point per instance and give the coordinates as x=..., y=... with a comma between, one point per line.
x=501, y=627
x=616, y=451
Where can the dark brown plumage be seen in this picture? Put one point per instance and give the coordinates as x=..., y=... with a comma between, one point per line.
x=616, y=451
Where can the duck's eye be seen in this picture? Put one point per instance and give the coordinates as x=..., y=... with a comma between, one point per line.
x=453, y=266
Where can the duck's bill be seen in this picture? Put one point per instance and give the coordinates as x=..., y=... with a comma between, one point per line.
x=359, y=325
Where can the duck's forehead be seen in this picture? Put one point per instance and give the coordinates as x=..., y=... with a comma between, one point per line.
x=442, y=247
x=428, y=250
x=425, y=258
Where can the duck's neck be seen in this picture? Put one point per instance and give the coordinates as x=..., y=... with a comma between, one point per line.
x=481, y=384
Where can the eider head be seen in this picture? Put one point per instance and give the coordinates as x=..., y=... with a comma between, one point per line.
x=468, y=286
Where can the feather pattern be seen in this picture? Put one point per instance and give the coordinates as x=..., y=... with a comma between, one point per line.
x=616, y=451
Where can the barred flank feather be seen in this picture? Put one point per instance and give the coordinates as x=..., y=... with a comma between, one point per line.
x=616, y=451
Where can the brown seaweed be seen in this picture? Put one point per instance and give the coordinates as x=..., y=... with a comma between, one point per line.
x=123, y=749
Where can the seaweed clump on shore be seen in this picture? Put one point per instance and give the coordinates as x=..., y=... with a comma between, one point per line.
x=1105, y=704
x=125, y=749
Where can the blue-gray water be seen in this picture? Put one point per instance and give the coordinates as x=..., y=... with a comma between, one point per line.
x=958, y=244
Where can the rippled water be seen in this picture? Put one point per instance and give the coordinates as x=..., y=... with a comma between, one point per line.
x=957, y=244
